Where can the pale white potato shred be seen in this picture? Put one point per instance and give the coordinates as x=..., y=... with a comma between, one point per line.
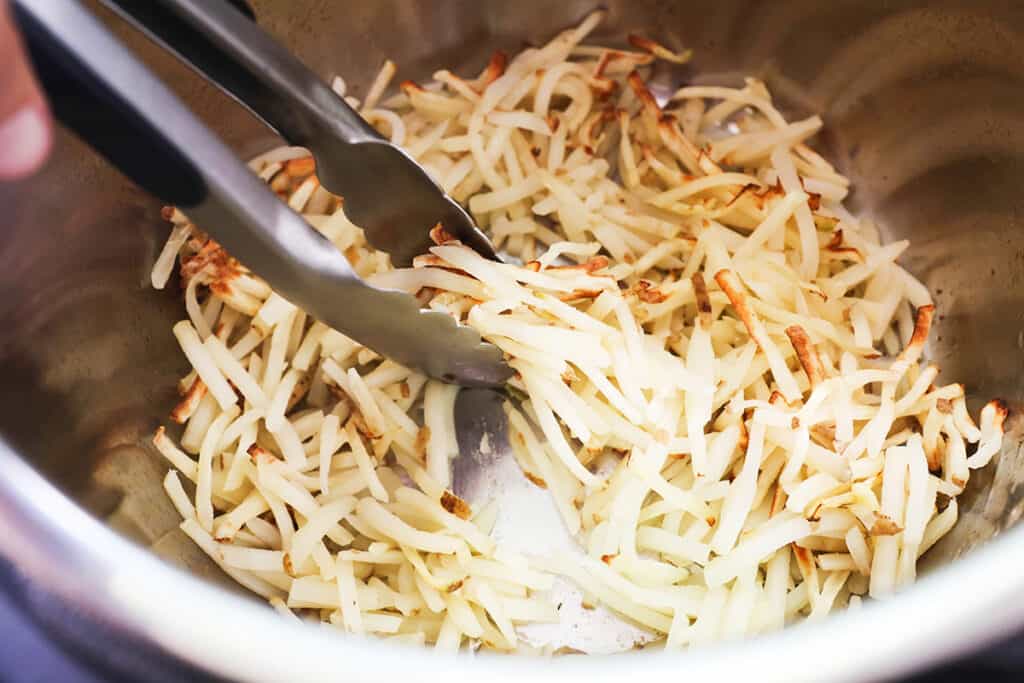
x=719, y=373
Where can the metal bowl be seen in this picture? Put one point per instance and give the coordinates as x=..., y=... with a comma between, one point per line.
x=923, y=110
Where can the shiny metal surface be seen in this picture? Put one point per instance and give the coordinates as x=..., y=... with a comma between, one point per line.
x=923, y=108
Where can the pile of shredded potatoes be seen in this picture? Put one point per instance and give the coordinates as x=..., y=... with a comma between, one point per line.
x=718, y=373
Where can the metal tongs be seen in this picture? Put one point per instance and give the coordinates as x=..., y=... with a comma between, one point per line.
x=102, y=92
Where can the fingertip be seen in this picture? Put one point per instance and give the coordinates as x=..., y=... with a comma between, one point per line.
x=26, y=137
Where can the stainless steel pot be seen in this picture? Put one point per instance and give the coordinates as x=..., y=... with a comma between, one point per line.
x=923, y=109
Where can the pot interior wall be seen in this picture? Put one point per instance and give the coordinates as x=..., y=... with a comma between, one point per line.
x=923, y=110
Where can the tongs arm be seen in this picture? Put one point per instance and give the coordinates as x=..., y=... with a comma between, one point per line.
x=98, y=89
x=235, y=54
x=386, y=192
